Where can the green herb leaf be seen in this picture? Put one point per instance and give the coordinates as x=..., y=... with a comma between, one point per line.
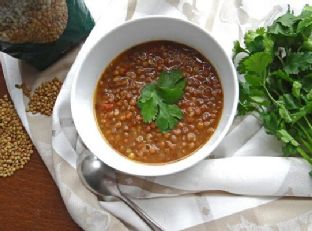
x=304, y=24
x=149, y=109
x=146, y=93
x=171, y=86
x=168, y=79
x=289, y=149
x=296, y=88
x=256, y=41
x=307, y=44
x=307, y=82
x=284, y=113
x=237, y=49
x=289, y=102
x=305, y=110
x=156, y=100
x=284, y=25
x=257, y=63
x=169, y=116
x=298, y=61
x=271, y=122
x=309, y=95
x=253, y=80
x=306, y=19
x=282, y=75
x=306, y=12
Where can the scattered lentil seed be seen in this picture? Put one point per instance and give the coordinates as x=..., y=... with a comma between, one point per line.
x=43, y=99
x=16, y=146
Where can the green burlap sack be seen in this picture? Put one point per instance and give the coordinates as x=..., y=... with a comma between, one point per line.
x=41, y=31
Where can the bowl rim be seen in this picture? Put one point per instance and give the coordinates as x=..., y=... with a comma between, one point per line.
x=165, y=169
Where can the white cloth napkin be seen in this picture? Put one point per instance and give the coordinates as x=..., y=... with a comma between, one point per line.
x=248, y=162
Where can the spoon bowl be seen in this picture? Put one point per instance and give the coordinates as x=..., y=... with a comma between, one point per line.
x=93, y=173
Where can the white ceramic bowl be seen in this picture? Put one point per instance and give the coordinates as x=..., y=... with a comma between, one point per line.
x=120, y=39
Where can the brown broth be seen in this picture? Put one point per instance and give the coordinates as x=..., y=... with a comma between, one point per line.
x=118, y=90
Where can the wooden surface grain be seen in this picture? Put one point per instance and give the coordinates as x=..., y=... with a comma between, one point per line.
x=29, y=200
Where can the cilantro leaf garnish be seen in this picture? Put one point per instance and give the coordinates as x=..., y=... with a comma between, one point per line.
x=148, y=103
x=276, y=84
x=169, y=79
x=171, y=86
x=157, y=100
x=168, y=117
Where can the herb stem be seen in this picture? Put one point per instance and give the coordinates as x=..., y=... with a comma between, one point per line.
x=304, y=155
x=307, y=145
x=306, y=133
x=309, y=124
x=265, y=88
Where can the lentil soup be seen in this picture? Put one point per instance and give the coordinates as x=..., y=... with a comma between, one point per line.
x=118, y=90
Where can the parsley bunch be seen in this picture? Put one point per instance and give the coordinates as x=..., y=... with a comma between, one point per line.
x=276, y=63
x=157, y=100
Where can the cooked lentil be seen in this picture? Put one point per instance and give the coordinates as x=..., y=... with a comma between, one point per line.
x=16, y=146
x=119, y=88
x=43, y=99
x=32, y=21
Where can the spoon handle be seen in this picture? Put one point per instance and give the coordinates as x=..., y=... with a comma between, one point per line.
x=147, y=219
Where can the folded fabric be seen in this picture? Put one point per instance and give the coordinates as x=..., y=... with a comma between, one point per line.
x=248, y=161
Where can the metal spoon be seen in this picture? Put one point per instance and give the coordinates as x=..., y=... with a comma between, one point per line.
x=93, y=173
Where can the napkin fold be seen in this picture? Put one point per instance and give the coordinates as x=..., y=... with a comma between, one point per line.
x=248, y=162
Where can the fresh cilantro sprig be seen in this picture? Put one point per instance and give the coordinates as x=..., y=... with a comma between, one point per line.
x=276, y=64
x=158, y=100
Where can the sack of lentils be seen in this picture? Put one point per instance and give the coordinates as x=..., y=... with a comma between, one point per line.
x=41, y=31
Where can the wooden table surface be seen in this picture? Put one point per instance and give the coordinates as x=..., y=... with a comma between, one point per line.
x=29, y=200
